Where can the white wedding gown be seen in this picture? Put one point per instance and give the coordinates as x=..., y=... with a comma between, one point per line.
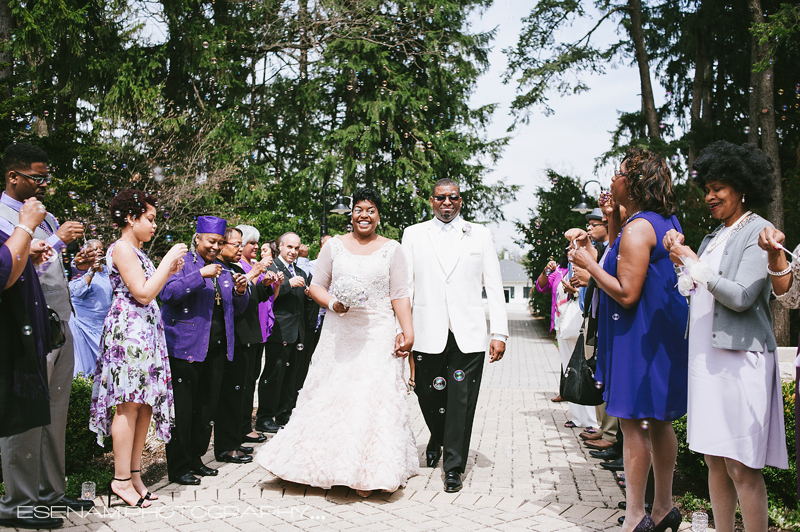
x=351, y=426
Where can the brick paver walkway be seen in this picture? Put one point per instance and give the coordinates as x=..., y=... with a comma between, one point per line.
x=525, y=472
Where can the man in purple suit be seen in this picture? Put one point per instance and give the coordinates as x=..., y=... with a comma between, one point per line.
x=198, y=305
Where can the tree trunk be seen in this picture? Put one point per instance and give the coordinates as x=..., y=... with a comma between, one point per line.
x=6, y=66
x=701, y=69
x=769, y=144
x=648, y=103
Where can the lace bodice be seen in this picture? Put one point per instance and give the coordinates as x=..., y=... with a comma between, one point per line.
x=383, y=272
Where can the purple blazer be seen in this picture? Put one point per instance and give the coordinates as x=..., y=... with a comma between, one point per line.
x=187, y=302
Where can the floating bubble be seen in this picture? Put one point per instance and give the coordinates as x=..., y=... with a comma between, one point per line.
x=458, y=375
x=300, y=347
x=746, y=130
x=237, y=387
x=27, y=330
x=675, y=159
x=780, y=91
x=188, y=290
x=210, y=423
x=169, y=238
x=186, y=311
x=598, y=384
x=419, y=357
x=190, y=359
x=439, y=383
x=615, y=316
x=645, y=424
x=205, y=44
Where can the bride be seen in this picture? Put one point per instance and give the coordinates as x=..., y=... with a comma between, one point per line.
x=351, y=425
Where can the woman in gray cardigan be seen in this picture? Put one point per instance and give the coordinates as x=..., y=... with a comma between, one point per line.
x=735, y=414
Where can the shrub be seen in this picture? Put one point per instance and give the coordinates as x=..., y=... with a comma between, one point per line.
x=781, y=483
x=89, y=473
x=81, y=443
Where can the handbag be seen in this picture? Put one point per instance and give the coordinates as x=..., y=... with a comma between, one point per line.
x=571, y=319
x=58, y=333
x=577, y=382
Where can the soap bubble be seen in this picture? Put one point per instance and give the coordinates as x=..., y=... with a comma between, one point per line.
x=439, y=383
x=458, y=375
x=27, y=330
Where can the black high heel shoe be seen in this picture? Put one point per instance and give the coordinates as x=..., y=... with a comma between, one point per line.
x=672, y=521
x=110, y=491
x=645, y=525
x=149, y=496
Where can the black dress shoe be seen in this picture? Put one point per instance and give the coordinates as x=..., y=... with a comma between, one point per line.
x=249, y=439
x=452, y=482
x=234, y=459
x=616, y=465
x=268, y=426
x=78, y=505
x=245, y=450
x=33, y=522
x=204, y=471
x=608, y=454
x=187, y=480
x=432, y=453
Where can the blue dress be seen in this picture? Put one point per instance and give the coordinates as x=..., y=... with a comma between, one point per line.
x=91, y=304
x=642, y=352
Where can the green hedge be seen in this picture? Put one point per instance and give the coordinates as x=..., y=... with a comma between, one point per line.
x=81, y=443
x=781, y=483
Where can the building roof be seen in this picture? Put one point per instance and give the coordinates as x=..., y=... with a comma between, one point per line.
x=513, y=272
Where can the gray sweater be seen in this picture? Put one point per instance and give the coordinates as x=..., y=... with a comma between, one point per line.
x=741, y=288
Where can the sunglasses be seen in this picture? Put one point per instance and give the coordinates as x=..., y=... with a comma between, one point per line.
x=441, y=197
x=38, y=179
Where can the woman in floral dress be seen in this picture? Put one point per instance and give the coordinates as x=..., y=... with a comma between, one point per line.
x=132, y=369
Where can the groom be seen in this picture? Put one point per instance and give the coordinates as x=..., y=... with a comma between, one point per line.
x=447, y=258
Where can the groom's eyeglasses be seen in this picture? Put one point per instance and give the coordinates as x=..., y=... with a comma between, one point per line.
x=453, y=197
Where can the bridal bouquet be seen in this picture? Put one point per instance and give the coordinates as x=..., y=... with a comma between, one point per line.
x=350, y=291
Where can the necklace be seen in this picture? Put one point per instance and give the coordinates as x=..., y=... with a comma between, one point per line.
x=723, y=235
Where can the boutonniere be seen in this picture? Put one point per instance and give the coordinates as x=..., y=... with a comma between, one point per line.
x=466, y=229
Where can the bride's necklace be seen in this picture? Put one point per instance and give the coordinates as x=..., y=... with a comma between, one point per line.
x=723, y=235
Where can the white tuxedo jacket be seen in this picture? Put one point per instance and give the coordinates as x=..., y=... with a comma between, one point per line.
x=445, y=298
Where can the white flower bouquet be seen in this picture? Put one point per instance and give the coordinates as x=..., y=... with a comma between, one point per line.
x=350, y=291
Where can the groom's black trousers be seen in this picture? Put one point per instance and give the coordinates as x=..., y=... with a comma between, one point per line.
x=449, y=412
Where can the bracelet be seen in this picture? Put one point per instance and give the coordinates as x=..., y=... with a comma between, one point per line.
x=331, y=303
x=780, y=273
x=26, y=229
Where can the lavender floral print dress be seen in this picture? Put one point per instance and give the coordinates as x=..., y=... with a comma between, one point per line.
x=132, y=365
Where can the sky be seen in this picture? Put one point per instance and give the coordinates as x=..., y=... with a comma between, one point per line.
x=567, y=141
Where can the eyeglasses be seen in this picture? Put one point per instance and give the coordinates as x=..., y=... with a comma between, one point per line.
x=238, y=245
x=38, y=179
x=453, y=197
x=592, y=226
x=617, y=175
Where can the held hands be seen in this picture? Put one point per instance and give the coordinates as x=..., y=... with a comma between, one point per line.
x=575, y=234
x=240, y=283
x=32, y=213
x=41, y=251
x=174, y=258
x=679, y=250
x=771, y=240
x=70, y=231
x=582, y=258
x=580, y=277
x=497, y=349
x=85, y=258
x=671, y=238
x=296, y=281
x=402, y=345
x=211, y=270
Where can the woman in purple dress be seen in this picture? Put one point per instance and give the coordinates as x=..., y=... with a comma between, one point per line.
x=642, y=353
x=132, y=370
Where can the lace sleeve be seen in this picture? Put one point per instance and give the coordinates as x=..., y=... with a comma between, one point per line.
x=791, y=299
x=324, y=266
x=398, y=274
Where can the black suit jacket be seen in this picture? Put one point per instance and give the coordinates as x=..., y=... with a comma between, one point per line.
x=289, y=307
x=247, y=326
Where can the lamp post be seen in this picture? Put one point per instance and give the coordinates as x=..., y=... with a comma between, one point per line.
x=583, y=207
x=340, y=208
